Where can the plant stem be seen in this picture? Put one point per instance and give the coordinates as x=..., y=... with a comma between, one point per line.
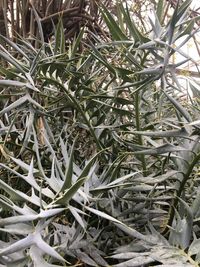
x=140, y=139
x=79, y=108
x=186, y=177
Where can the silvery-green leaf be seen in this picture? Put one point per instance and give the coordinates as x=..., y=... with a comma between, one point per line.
x=122, y=226
x=18, y=228
x=69, y=193
x=54, y=181
x=7, y=204
x=10, y=59
x=37, y=257
x=24, y=165
x=85, y=258
x=174, y=133
x=14, y=194
x=17, y=84
x=18, y=263
x=68, y=176
x=157, y=179
x=14, y=105
x=118, y=182
x=64, y=151
x=194, y=247
x=152, y=70
x=136, y=262
x=56, y=162
x=128, y=255
x=18, y=245
x=166, y=148
x=179, y=107
x=197, y=122
x=27, y=134
x=15, y=46
x=77, y=216
x=31, y=217
x=39, y=242
x=30, y=179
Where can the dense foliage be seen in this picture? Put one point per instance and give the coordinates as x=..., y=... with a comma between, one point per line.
x=100, y=144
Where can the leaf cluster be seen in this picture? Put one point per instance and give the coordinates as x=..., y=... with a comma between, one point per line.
x=99, y=150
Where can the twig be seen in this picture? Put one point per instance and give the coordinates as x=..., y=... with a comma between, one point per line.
x=60, y=13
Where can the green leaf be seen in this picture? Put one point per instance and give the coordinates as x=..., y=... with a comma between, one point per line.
x=15, y=46
x=15, y=195
x=116, y=183
x=166, y=148
x=88, y=167
x=10, y=59
x=69, y=193
x=178, y=13
x=36, y=61
x=76, y=43
x=188, y=29
x=179, y=107
x=103, y=60
x=68, y=176
x=112, y=25
x=39, y=24
x=159, y=10
x=183, y=8
x=173, y=133
x=138, y=37
x=59, y=38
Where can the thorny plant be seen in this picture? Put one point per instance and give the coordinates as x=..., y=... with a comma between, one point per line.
x=100, y=146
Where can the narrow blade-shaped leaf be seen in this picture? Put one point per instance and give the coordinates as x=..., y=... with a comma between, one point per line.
x=68, y=176
x=69, y=193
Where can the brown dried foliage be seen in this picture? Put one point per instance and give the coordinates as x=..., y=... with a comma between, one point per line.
x=20, y=17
